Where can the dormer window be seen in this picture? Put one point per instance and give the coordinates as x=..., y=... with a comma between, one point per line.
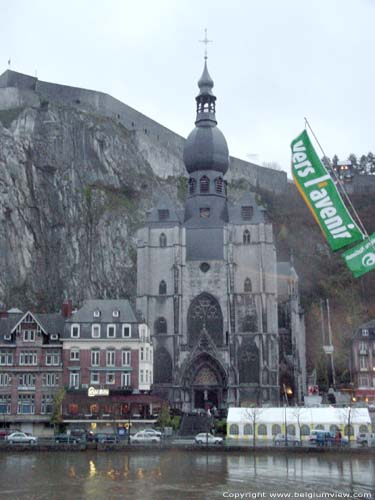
x=163, y=214
x=247, y=212
x=126, y=331
x=96, y=314
x=95, y=331
x=364, y=332
x=74, y=331
x=116, y=314
x=29, y=336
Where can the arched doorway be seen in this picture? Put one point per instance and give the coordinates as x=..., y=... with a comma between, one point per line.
x=205, y=314
x=206, y=381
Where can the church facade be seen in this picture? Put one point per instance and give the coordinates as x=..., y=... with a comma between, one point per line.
x=207, y=285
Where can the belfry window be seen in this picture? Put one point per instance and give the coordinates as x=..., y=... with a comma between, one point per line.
x=160, y=326
x=246, y=237
x=219, y=185
x=204, y=184
x=162, y=288
x=247, y=212
x=163, y=240
x=192, y=185
x=247, y=285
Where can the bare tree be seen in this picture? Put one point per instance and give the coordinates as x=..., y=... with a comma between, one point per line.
x=253, y=413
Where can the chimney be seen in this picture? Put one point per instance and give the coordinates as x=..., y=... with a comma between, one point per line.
x=67, y=308
x=3, y=311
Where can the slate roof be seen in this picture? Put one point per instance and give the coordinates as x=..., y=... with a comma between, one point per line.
x=164, y=203
x=370, y=326
x=106, y=307
x=52, y=323
x=248, y=199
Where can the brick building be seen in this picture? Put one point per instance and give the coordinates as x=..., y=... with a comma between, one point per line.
x=30, y=369
x=108, y=365
x=363, y=362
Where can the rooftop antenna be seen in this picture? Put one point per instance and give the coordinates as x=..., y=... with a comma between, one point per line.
x=9, y=62
x=206, y=41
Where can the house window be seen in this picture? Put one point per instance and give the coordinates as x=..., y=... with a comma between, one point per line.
x=204, y=184
x=50, y=379
x=74, y=380
x=5, y=403
x=6, y=358
x=29, y=335
x=142, y=353
x=146, y=351
x=26, y=404
x=126, y=358
x=73, y=409
x=97, y=314
x=74, y=332
x=163, y=240
x=219, y=185
x=110, y=378
x=111, y=331
x=52, y=358
x=95, y=331
x=116, y=314
x=110, y=358
x=363, y=381
x=246, y=237
x=28, y=358
x=364, y=332
x=74, y=355
x=94, y=379
x=247, y=285
x=141, y=377
x=27, y=380
x=95, y=357
x=162, y=288
x=126, y=331
x=233, y=429
x=46, y=406
x=125, y=380
x=262, y=430
x=163, y=214
x=363, y=362
x=143, y=333
x=276, y=429
x=246, y=212
x=4, y=379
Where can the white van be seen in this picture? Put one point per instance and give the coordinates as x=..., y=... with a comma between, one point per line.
x=366, y=438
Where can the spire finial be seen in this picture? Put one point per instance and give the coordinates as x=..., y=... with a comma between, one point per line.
x=206, y=41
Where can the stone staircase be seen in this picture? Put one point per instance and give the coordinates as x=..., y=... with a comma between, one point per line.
x=194, y=424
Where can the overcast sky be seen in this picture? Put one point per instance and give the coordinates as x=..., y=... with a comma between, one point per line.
x=273, y=62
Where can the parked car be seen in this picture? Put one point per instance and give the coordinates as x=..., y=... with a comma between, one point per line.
x=106, y=438
x=21, y=437
x=207, y=438
x=68, y=438
x=153, y=432
x=5, y=432
x=366, y=439
x=144, y=437
x=280, y=440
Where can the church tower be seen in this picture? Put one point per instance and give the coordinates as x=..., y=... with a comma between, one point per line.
x=207, y=283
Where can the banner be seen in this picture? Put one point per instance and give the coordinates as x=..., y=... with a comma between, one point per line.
x=320, y=193
x=361, y=258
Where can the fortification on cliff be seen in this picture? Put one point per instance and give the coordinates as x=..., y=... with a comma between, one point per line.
x=161, y=147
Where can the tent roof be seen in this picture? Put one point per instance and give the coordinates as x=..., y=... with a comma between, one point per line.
x=315, y=416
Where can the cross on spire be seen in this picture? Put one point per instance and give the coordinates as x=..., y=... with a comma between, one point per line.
x=206, y=41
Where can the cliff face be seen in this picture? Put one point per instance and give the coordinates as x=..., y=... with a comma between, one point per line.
x=74, y=187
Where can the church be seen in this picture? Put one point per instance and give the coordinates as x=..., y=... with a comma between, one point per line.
x=226, y=324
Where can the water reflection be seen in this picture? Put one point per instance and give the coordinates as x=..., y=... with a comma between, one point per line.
x=177, y=474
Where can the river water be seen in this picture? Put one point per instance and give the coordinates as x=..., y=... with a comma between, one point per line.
x=180, y=474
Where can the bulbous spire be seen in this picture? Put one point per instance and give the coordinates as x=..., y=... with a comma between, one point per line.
x=205, y=82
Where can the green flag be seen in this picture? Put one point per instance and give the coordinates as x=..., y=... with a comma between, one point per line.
x=320, y=193
x=361, y=258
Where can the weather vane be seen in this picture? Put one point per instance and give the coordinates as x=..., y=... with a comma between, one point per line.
x=206, y=41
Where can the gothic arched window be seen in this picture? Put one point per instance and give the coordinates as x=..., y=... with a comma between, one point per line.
x=162, y=288
x=246, y=237
x=204, y=184
x=249, y=323
x=192, y=185
x=160, y=326
x=248, y=355
x=247, y=285
x=205, y=314
x=163, y=366
x=163, y=240
x=219, y=185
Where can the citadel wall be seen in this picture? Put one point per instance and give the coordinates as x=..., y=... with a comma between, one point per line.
x=161, y=147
